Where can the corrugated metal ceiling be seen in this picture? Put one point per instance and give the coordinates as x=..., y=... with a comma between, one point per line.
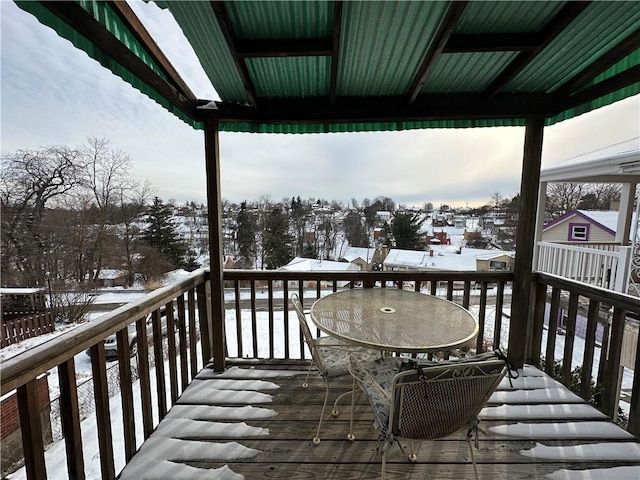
x=303, y=66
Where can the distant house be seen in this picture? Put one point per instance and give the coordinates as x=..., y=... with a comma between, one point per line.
x=112, y=278
x=580, y=226
x=363, y=257
x=403, y=260
x=300, y=264
x=496, y=262
x=449, y=257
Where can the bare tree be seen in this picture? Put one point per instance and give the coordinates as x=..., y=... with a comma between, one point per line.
x=563, y=197
x=31, y=182
x=606, y=194
x=106, y=178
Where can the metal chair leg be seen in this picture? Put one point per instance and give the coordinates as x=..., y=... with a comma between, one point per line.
x=316, y=439
x=473, y=458
x=305, y=384
x=335, y=412
x=351, y=437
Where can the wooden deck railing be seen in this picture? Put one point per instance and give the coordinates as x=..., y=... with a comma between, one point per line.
x=556, y=296
x=20, y=373
x=486, y=291
x=487, y=294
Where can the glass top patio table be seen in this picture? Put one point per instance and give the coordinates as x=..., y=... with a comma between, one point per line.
x=394, y=320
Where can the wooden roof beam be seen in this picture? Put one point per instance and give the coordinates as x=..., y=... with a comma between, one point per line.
x=562, y=20
x=335, y=50
x=610, y=58
x=291, y=47
x=229, y=35
x=86, y=25
x=388, y=109
x=437, y=45
x=135, y=26
x=605, y=87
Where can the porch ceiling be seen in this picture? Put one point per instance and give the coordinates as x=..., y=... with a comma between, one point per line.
x=325, y=66
x=615, y=164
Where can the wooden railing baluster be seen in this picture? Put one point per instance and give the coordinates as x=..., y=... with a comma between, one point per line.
x=171, y=349
x=103, y=414
x=497, y=323
x=610, y=392
x=482, y=317
x=193, y=334
x=70, y=419
x=31, y=427
x=204, y=321
x=554, y=311
x=126, y=393
x=182, y=337
x=285, y=308
x=254, y=320
x=569, y=338
x=161, y=388
x=589, y=348
x=271, y=329
x=238, y=307
x=145, y=377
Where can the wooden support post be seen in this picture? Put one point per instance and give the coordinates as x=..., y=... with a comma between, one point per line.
x=522, y=306
x=214, y=202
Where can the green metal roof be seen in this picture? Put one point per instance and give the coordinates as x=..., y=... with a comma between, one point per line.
x=322, y=66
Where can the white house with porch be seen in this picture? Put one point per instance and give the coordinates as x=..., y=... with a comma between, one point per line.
x=593, y=248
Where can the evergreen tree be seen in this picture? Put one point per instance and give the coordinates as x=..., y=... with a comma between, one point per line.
x=246, y=237
x=298, y=212
x=276, y=239
x=355, y=230
x=161, y=234
x=405, y=230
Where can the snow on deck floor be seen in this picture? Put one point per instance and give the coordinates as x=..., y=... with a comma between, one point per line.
x=178, y=437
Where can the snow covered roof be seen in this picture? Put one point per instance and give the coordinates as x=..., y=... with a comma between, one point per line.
x=110, y=274
x=299, y=264
x=617, y=163
x=364, y=253
x=19, y=291
x=445, y=257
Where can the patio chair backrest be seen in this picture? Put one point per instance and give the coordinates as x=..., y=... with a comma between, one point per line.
x=433, y=402
x=306, y=333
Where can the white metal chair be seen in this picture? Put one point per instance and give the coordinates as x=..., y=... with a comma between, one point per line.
x=427, y=401
x=331, y=357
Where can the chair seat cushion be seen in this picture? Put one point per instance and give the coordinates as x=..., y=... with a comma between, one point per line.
x=376, y=379
x=335, y=355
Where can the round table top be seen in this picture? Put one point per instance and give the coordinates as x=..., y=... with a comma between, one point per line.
x=395, y=320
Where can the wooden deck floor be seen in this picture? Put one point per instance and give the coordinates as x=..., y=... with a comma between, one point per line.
x=260, y=412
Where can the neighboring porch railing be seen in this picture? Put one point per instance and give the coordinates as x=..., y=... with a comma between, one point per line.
x=601, y=265
x=487, y=294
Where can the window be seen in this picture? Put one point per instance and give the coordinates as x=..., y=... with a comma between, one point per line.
x=496, y=265
x=578, y=232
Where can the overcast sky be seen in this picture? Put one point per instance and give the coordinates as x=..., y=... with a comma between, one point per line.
x=54, y=94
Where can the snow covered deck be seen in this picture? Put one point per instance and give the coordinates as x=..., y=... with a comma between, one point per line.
x=255, y=421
